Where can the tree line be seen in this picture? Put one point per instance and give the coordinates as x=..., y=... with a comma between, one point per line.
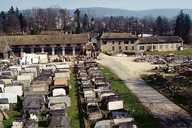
x=15, y=22
x=12, y=21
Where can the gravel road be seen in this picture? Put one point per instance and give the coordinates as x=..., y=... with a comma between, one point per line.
x=169, y=114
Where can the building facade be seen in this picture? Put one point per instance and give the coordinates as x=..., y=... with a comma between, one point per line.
x=117, y=42
x=4, y=50
x=60, y=44
x=159, y=43
x=113, y=43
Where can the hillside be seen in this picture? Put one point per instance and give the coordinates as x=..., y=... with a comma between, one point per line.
x=101, y=12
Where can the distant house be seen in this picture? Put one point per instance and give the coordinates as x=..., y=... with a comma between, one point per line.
x=159, y=43
x=117, y=42
x=55, y=44
x=125, y=42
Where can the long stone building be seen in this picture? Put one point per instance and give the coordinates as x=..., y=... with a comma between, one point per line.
x=159, y=43
x=125, y=43
x=60, y=44
x=117, y=42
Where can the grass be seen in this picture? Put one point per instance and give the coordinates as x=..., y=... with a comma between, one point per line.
x=43, y=120
x=74, y=111
x=12, y=116
x=185, y=52
x=143, y=118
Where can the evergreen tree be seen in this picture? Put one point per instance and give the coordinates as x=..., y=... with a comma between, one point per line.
x=92, y=24
x=85, y=23
x=23, y=23
x=17, y=12
x=183, y=24
x=2, y=21
x=12, y=24
x=11, y=10
x=161, y=26
x=77, y=21
x=166, y=26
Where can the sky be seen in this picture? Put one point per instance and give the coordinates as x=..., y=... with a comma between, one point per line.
x=121, y=4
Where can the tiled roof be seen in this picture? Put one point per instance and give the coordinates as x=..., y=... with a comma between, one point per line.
x=160, y=39
x=117, y=36
x=45, y=39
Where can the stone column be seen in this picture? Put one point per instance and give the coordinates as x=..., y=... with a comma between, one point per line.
x=73, y=50
x=152, y=48
x=63, y=50
x=32, y=49
x=5, y=55
x=21, y=52
x=158, y=47
x=42, y=49
x=53, y=50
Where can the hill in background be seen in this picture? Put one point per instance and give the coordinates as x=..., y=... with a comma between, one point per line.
x=106, y=12
x=100, y=12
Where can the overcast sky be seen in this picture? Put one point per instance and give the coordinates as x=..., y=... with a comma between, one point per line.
x=122, y=4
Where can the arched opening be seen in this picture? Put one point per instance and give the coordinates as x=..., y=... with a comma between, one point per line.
x=16, y=51
x=27, y=49
x=37, y=49
x=48, y=50
x=58, y=50
x=69, y=49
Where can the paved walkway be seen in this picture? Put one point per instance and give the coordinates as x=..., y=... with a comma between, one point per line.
x=170, y=115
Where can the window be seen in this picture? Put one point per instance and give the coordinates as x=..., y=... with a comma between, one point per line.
x=132, y=41
x=119, y=42
x=126, y=42
x=167, y=46
x=132, y=48
x=104, y=42
x=113, y=48
x=149, y=48
x=113, y=42
x=126, y=47
x=154, y=47
x=119, y=47
x=161, y=47
x=141, y=47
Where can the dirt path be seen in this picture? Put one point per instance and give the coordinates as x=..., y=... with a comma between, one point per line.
x=170, y=115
